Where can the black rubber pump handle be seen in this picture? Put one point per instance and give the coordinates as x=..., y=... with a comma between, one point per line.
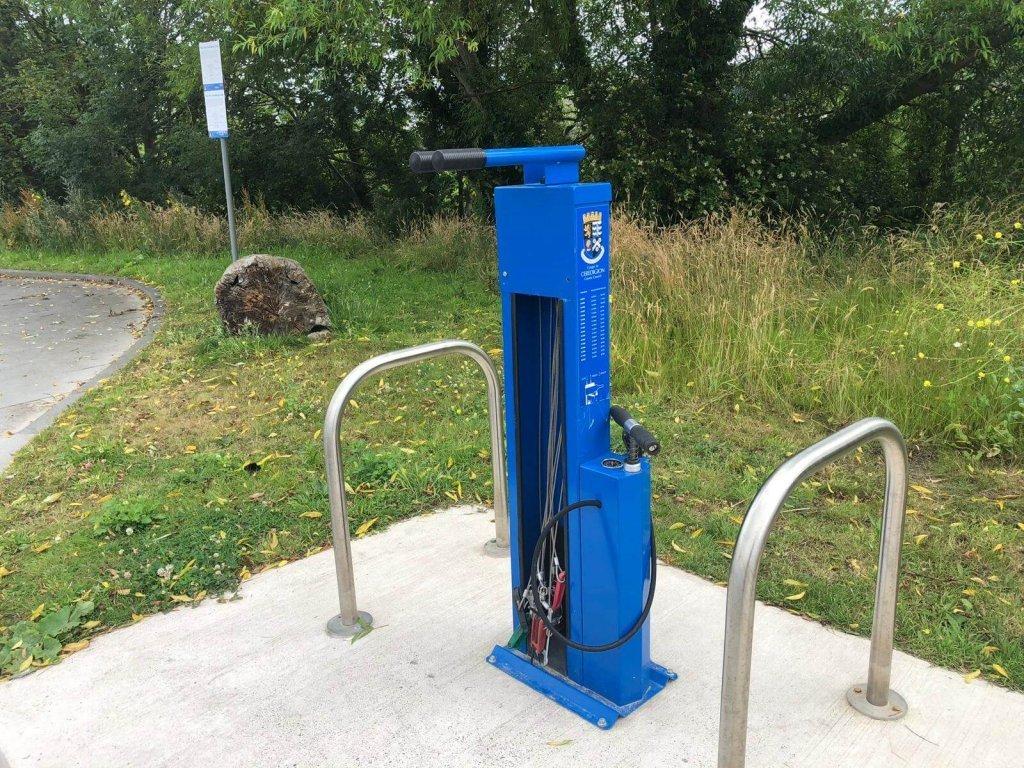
x=435, y=161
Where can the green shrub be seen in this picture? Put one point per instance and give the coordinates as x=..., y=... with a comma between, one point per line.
x=118, y=516
x=38, y=643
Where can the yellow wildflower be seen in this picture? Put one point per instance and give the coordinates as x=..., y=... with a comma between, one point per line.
x=927, y=383
x=981, y=374
x=978, y=236
x=940, y=306
x=998, y=235
x=956, y=265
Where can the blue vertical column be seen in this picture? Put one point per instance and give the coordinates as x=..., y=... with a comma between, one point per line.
x=553, y=246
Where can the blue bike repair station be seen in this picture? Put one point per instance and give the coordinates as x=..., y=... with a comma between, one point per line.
x=581, y=535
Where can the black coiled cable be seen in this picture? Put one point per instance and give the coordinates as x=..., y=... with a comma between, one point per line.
x=538, y=610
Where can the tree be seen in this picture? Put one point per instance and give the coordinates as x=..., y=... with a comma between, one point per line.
x=880, y=108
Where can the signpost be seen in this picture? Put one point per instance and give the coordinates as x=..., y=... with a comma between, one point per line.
x=217, y=121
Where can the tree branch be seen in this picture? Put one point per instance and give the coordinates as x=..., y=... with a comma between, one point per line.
x=861, y=111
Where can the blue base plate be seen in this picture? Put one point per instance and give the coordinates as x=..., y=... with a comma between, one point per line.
x=589, y=705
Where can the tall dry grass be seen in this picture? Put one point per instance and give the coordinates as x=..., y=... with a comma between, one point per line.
x=924, y=327
x=171, y=228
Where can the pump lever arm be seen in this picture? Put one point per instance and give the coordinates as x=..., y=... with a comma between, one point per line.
x=644, y=440
x=541, y=165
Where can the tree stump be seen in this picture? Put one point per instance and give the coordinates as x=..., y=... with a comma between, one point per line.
x=270, y=295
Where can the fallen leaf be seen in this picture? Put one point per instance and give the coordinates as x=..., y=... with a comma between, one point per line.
x=562, y=743
x=362, y=529
x=677, y=548
x=919, y=539
x=793, y=583
x=53, y=497
x=1000, y=670
x=797, y=596
x=138, y=617
x=244, y=574
x=312, y=514
x=676, y=526
x=922, y=490
x=181, y=599
x=970, y=677
x=91, y=624
x=37, y=612
x=797, y=418
x=697, y=533
x=4, y=572
x=72, y=647
x=42, y=547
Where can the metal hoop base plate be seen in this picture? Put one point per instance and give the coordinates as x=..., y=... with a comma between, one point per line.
x=857, y=696
x=491, y=549
x=336, y=629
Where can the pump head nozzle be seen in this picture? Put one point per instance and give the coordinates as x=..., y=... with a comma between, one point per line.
x=638, y=439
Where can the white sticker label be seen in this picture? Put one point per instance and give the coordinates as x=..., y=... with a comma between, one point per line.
x=209, y=60
x=213, y=89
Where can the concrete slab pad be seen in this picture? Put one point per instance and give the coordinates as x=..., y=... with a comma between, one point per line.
x=59, y=333
x=258, y=682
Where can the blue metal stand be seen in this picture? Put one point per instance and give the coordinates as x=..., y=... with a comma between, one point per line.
x=553, y=265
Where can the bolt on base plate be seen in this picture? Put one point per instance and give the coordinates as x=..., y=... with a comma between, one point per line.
x=857, y=696
x=336, y=629
x=492, y=549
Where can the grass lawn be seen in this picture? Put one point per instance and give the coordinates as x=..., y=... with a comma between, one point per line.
x=200, y=464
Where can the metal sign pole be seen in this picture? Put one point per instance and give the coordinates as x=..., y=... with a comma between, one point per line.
x=230, y=198
x=217, y=122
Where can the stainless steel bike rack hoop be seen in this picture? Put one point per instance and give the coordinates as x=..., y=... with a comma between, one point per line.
x=874, y=699
x=350, y=620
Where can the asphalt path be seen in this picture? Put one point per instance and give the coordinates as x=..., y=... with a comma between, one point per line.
x=57, y=336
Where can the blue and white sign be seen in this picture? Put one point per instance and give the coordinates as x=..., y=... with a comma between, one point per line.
x=213, y=89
